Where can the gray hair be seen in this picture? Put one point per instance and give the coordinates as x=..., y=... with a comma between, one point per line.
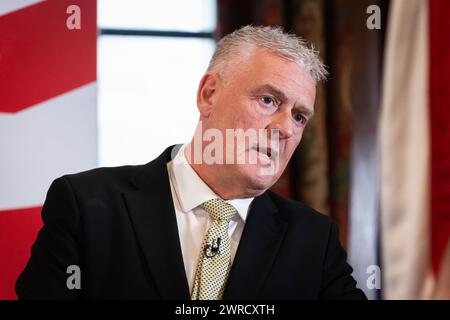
x=288, y=46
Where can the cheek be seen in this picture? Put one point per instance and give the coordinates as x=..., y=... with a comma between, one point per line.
x=258, y=116
x=298, y=134
x=223, y=115
x=239, y=114
x=290, y=148
x=245, y=116
x=293, y=143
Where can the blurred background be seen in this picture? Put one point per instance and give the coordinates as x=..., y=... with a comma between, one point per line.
x=81, y=79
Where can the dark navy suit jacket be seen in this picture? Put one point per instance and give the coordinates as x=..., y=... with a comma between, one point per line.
x=119, y=226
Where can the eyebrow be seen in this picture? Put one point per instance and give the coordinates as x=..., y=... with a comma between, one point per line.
x=280, y=95
x=271, y=89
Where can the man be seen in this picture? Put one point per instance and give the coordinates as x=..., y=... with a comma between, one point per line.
x=198, y=222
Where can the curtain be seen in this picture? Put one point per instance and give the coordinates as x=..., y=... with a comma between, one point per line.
x=320, y=170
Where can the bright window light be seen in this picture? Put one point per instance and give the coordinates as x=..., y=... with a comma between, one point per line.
x=176, y=15
x=147, y=94
x=147, y=85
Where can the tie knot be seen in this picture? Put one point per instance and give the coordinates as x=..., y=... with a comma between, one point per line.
x=219, y=209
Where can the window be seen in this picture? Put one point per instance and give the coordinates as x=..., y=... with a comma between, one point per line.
x=151, y=56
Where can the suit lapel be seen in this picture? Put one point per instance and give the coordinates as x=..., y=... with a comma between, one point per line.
x=264, y=230
x=153, y=217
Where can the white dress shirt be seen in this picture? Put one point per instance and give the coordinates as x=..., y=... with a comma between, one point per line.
x=189, y=191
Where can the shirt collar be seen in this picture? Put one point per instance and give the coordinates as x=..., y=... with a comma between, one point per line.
x=192, y=191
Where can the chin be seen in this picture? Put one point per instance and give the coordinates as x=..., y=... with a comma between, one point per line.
x=257, y=182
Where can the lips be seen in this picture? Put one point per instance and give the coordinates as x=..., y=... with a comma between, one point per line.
x=266, y=151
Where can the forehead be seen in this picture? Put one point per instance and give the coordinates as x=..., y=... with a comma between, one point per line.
x=262, y=67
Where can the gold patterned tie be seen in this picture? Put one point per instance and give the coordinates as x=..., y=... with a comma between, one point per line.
x=215, y=255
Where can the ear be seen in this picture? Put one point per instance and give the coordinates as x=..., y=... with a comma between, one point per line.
x=207, y=93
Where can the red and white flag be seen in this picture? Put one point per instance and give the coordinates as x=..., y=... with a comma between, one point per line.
x=415, y=152
x=48, y=114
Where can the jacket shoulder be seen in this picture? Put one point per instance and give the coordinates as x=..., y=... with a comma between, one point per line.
x=103, y=177
x=293, y=210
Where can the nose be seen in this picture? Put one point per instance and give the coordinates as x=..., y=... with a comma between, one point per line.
x=283, y=123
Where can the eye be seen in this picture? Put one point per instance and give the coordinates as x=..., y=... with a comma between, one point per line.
x=300, y=118
x=268, y=101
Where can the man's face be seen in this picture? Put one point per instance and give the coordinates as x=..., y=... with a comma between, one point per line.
x=262, y=91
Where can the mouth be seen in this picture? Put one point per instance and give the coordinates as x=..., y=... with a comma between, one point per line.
x=266, y=151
